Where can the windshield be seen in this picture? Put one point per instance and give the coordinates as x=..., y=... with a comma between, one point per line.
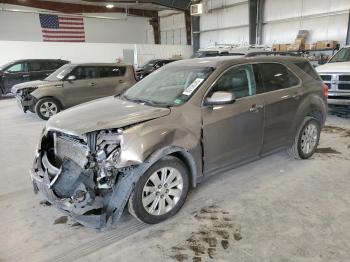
x=342, y=56
x=5, y=66
x=60, y=73
x=168, y=86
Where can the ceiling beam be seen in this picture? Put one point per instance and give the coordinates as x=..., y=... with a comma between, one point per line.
x=79, y=8
x=182, y=5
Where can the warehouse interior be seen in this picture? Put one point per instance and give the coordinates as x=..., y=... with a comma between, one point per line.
x=99, y=98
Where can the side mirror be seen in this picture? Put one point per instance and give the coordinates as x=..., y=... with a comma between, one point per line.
x=220, y=98
x=71, y=78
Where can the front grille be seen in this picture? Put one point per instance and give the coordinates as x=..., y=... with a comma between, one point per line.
x=68, y=147
x=326, y=77
x=344, y=78
x=339, y=97
x=344, y=86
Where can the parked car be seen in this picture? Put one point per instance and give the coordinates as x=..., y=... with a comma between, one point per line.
x=192, y=119
x=151, y=66
x=73, y=84
x=20, y=71
x=336, y=75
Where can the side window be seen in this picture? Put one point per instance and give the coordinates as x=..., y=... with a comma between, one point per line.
x=17, y=68
x=86, y=72
x=276, y=76
x=308, y=69
x=52, y=65
x=238, y=80
x=112, y=71
x=36, y=66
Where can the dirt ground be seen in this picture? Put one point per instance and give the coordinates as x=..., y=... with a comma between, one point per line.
x=275, y=209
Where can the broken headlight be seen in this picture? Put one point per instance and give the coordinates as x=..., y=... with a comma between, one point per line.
x=107, y=156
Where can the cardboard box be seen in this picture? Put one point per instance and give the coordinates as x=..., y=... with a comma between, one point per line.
x=303, y=34
x=310, y=46
x=276, y=48
x=284, y=47
x=326, y=44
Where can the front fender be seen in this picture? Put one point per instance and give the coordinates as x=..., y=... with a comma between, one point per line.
x=49, y=91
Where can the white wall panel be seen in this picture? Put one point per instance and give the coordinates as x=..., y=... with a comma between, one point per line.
x=172, y=26
x=217, y=26
x=233, y=16
x=229, y=36
x=325, y=19
x=20, y=26
x=86, y=52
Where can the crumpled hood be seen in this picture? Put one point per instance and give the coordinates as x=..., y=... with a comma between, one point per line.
x=104, y=113
x=340, y=67
x=37, y=83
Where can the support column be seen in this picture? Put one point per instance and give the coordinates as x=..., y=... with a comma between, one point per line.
x=348, y=35
x=188, y=27
x=253, y=10
x=195, y=33
x=156, y=29
x=260, y=22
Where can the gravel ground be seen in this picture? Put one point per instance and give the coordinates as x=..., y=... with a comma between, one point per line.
x=275, y=209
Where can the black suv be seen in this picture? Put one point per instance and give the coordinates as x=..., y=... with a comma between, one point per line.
x=151, y=66
x=20, y=71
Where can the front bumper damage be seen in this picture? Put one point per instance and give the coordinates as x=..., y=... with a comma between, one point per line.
x=79, y=192
x=25, y=100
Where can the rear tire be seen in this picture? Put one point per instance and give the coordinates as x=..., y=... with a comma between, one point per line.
x=47, y=107
x=306, y=140
x=160, y=192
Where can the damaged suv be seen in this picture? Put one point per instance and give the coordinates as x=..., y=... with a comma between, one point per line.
x=147, y=147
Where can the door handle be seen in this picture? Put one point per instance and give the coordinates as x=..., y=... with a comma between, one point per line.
x=25, y=76
x=121, y=81
x=256, y=108
x=92, y=84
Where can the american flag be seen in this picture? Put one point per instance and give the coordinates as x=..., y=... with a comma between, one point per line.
x=58, y=28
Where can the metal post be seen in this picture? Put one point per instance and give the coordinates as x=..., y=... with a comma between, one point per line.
x=195, y=33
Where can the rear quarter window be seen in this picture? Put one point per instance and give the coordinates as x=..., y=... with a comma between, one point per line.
x=308, y=69
x=112, y=71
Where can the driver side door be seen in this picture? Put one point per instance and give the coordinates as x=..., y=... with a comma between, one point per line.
x=233, y=133
x=15, y=74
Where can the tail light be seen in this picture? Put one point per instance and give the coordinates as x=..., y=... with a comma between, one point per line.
x=135, y=74
x=325, y=90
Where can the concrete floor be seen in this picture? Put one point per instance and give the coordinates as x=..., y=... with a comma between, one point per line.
x=275, y=209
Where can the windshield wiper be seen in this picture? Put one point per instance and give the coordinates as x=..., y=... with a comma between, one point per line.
x=146, y=101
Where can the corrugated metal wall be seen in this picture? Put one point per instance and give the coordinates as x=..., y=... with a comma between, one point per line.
x=225, y=23
x=325, y=19
x=172, y=28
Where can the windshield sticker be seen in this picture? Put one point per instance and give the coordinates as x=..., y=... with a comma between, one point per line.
x=192, y=87
x=178, y=101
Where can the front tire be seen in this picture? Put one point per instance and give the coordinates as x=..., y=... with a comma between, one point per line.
x=161, y=191
x=47, y=107
x=307, y=139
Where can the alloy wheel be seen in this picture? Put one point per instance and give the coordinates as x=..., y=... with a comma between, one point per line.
x=162, y=191
x=48, y=109
x=309, y=138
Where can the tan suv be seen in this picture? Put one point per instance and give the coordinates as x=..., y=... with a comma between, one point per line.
x=188, y=120
x=73, y=84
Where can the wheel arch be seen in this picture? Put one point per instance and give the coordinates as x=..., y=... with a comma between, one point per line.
x=313, y=106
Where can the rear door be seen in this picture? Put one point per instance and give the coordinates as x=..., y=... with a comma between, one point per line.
x=111, y=81
x=38, y=70
x=15, y=74
x=282, y=96
x=233, y=133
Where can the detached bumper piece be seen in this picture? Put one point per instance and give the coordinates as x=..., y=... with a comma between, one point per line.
x=73, y=190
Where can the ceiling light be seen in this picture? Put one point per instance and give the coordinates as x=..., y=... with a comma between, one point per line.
x=110, y=6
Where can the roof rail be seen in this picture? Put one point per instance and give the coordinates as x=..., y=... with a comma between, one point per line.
x=253, y=54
